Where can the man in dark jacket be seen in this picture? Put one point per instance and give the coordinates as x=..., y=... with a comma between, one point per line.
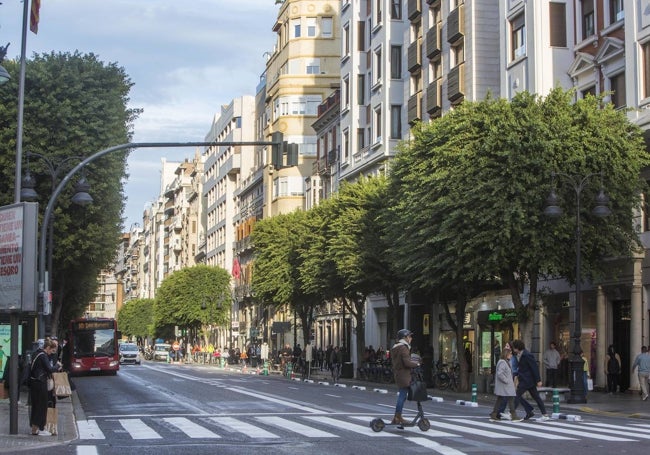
x=400, y=355
x=529, y=380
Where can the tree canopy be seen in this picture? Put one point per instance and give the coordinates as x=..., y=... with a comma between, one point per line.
x=74, y=106
x=135, y=318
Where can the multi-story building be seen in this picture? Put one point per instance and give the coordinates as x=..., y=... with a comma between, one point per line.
x=104, y=304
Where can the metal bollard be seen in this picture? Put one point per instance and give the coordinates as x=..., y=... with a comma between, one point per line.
x=474, y=395
x=556, y=401
x=289, y=369
x=265, y=371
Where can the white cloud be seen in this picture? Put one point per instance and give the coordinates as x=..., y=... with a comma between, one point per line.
x=186, y=59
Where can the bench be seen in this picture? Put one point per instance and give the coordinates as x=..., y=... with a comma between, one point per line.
x=548, y=392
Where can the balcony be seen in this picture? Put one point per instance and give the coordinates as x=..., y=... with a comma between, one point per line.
x=433, y=42
x=456, y=24
x=415, y=108
x=456, y=83
x=434, y=97
x=414, y=9
x=415, y=56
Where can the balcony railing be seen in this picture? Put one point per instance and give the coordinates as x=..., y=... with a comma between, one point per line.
x=433, y=41
x=415, y=56
x=414, y=9
x=456, y=83
x=415, y=108
x=456, y=24
x=434, y=97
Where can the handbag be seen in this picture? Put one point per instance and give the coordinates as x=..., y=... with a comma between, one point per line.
x=590, y=384
x=52, y=420
x=417, y=391
x=61, y=384
x=50, y=384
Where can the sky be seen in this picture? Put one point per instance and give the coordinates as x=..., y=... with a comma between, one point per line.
x=186, y=58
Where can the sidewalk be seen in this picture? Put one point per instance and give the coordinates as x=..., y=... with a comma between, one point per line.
x=619, y=405
x=12, y=443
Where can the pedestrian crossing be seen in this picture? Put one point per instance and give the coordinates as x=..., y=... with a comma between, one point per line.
x=443, y=429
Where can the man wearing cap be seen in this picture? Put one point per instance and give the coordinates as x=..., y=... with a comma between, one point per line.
x=400, y=355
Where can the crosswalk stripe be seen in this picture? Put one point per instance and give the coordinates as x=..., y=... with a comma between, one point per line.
x=88, y=429
x=437, y=447
x=296, y=427
x=615, y=429
x=364, y=430
x=557, y=427
x=243, y=427
x=498, y=427
x=431, y=433
x=190, y=428
x=87, y=450
x=474, y=431
x=138, y=429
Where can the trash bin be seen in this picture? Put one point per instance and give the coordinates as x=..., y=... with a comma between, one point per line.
x=347, y=370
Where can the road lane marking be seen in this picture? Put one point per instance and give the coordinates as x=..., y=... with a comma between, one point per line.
x=243, y=427
x=88, y=429
x=437, y=447
x=506, y=427
x=296, y=427
x=190, y=428
x=138, y=429
x=616, y=429
x=87, y=450
x=488, y=434
x=364, y=430
x=557, y=427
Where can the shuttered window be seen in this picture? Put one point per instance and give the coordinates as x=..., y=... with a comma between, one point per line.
x=557, y=16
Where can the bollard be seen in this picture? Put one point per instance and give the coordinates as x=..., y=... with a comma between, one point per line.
x=265, y=372
x=221, y=362
x=474, y=396
x=289, y=369
x=556, y=401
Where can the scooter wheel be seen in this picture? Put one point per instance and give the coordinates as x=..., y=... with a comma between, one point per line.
x=377, y=425
x=424, y=424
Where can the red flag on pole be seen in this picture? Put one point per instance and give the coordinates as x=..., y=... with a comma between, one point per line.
x=236, y=269
x=34, y=15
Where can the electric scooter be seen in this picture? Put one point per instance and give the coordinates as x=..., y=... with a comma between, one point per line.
x=419, y=395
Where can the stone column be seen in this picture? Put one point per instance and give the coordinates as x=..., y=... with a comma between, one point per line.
x=601, y=340
x=636, y=324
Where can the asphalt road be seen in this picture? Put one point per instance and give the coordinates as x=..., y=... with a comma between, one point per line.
x=163, y=409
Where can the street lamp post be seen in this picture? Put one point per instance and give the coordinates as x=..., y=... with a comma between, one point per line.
x=553, y=210
x=28, y=193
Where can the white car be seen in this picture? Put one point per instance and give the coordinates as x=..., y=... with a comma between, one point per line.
x=161, y=351
x=130, y=353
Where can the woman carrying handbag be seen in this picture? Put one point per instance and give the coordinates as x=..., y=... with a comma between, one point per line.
x=39, y=381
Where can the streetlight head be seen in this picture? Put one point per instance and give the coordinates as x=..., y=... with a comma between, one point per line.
x=552, y=208
x=601, y=209
x=27, y=191
x=81, y=196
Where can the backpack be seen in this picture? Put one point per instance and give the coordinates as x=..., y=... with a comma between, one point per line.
x=612, y=365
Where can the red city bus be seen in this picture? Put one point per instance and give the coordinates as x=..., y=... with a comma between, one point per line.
x=92, y=346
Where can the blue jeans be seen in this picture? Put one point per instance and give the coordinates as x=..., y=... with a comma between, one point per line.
x=401, y=399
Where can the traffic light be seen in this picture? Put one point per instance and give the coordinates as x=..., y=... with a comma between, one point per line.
x=277, y=149
x=292, y=154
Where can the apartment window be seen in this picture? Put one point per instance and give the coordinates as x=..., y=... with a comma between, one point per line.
x=646, y=68
x=458, y=53
x=361, y=36
x=346, y=92
x=377, y=65
x=436, y=69
x=518, y=37
x=616, y=11
x=326, y=27
x=588, y=91
x=396, y=9
x=313, y=66
x=378, y=18
x=361, y=89
x=377, y=124
x=617, y=86
x=295, y=27
x=361, y=138
x=311, y=27
x=346, y=40
x=587, y=9
x=396, y=122
x=557, y=21
x=346, y=146
x=396, y=62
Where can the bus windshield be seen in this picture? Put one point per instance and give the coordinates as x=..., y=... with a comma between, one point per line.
x=94, y=343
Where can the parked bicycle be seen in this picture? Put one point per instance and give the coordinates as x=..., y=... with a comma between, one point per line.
x=446, y=377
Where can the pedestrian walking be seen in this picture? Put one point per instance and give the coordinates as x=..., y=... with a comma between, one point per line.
x=612, y=369
x=529, y=380
x=504, y=388
x=585, y=374
x=552, y=360
x=336, y=361
x=642, y=363
x=402, y=365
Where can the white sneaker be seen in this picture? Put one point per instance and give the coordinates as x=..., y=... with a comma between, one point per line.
x=645, y=397
x=44, y=433
x=505, y=416
x=544, y=418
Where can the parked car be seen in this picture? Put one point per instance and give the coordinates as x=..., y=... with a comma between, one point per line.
x=161, y=351
x=130, y=353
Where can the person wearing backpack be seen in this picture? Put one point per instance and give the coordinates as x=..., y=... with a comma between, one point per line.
x=612, y=369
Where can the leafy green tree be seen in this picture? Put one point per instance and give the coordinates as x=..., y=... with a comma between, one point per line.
x=469, y=191
x=276, y=271
x=193, y=298
x=135, y=318
x=75, y=105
